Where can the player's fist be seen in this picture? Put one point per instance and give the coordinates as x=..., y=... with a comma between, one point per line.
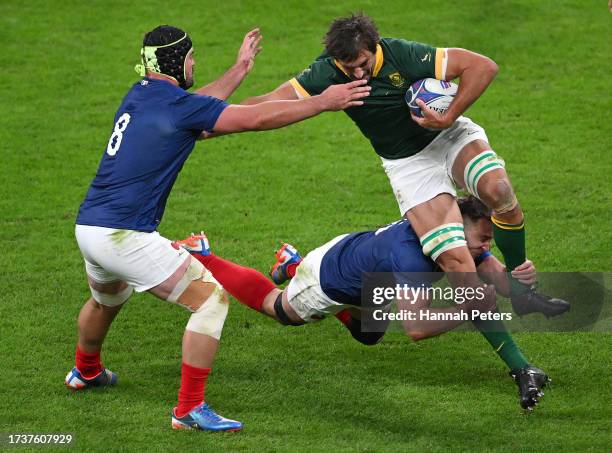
x=340, y=97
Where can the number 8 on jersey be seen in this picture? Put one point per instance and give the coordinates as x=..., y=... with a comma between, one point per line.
x=115, y=139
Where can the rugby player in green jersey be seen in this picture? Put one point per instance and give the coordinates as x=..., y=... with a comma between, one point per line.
x=425, y=158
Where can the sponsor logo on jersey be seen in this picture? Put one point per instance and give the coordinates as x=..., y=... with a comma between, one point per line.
x=396, y=79
x=427, y=57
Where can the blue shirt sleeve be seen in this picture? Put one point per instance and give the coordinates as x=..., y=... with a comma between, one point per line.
x=197, y=113
x=480, y=258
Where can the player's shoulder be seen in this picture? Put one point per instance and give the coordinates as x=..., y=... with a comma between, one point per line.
x=323, y=66
x=321, y=73
x=401, y=47
x=398, y=44
x=398, y=232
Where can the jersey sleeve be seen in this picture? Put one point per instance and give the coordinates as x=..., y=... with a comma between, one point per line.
x=419, y=61
x=314, y=79
x=198, y=113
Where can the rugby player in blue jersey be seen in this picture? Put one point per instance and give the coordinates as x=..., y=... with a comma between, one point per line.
x=154, y=132
x=329, y=281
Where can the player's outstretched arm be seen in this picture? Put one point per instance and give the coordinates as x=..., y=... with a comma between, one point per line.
x=285, y=92
x=421, y=328
x=275, y=114
x=225, y=85
x=475, y=72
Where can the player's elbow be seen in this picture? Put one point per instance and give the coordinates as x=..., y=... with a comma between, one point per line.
x=490, y=67
x=258, y=122
x=413, y=332
x=253, y=120
x=417, y=336
x=240, y=118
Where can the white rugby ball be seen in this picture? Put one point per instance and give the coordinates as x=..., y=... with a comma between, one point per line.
x=436, y=94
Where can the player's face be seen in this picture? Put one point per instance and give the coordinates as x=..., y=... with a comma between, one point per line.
x=362, y=67
x=478, y=236
x=189, y=64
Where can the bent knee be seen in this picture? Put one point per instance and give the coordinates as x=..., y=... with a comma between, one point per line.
x=197, y=293
x=499, y=194
x=189, y=286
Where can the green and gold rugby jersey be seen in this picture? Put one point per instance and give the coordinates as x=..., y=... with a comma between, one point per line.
x=384, y=118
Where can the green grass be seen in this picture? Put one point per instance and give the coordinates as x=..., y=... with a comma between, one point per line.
x=65, y=67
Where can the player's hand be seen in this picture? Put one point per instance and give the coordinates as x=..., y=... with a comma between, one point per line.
x=249, y=49
x=432, y=119
x=610, y=5
x=526, y=272
x=340, y=97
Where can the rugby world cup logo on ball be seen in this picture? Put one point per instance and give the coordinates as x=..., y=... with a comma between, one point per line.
x=436, y=94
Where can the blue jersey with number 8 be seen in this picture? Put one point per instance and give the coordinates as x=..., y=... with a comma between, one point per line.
x=155, y=130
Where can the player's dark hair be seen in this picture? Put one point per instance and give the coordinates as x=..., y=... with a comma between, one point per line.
x=171, y=59
x=474, y=209
x=347, y=36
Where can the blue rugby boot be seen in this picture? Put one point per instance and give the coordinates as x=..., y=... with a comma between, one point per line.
x=204, y=418
x=105, y=378
x=196, y=244
x=287, y=260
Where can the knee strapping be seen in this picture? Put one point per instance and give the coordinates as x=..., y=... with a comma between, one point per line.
x=112, y=300
x=195, y=271
x=507, y=199
x=477, y=167
x=210, y=317
x=282, y=316
x=442, y=238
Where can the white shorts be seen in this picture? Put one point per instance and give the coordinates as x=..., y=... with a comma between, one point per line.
x=143, y=260
x=304, y=292
x=419, y=178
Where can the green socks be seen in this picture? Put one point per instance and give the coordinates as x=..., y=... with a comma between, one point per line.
x=502, y=342
x=510, y=240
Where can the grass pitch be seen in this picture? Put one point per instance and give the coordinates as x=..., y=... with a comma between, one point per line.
x=66, y=66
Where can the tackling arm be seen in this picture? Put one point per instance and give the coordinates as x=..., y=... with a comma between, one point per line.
x=275, y=114
x=420, y=329
x=285, y=92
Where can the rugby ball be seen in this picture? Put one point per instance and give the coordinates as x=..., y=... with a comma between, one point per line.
x=436, y=94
